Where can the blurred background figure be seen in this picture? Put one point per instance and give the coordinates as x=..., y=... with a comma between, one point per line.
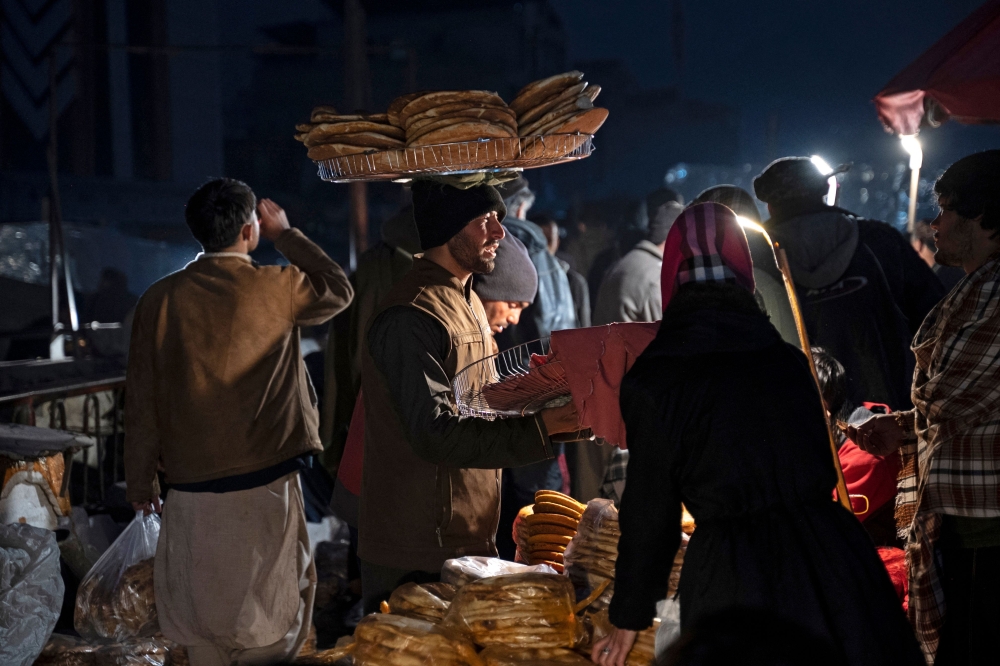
x=577, y=283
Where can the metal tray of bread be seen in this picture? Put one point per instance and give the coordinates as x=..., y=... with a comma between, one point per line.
x=527, y=152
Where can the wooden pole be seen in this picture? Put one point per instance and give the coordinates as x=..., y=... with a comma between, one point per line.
x=358, y=94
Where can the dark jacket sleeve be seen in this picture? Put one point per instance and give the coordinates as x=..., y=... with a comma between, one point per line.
x=649, y=519
x=408, y=348
x=913, y=284
x=319, y=287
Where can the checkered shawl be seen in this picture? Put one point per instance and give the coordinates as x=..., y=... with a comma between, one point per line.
x=953, y=467
x=705, y=244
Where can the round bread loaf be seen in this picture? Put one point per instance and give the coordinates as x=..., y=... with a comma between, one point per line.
x=437, y=98
x=584, y=122
x=374, y=140
x=459, y=132
x=552, y=102
x=326, y=132
x=537, y=91
x=491, y=114
x=396, y=105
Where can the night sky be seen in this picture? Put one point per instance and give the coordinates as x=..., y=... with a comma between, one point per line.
x=816, y=65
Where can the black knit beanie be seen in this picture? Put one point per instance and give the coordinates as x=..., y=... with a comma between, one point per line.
x=790, y=179
x=441, y=211
x=662, y=220
x=513, y=278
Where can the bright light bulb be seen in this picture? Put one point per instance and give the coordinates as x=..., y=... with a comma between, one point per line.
x=911, y=144
x=825, y=169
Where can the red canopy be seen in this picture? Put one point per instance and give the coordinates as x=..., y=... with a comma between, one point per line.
x=959, y=77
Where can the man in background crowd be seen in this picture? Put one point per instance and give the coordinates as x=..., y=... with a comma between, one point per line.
x=577, y=283
x=219, y=396
x=844, y=265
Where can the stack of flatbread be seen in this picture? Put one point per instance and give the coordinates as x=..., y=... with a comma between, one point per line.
x=393, y=640
x=429, y=601
x=329, y=134
x=121, y=612
x=501, y=655
x=452, y=116
x=594, y=549
x=520, y=610
x=543, y=530
x=560, y=104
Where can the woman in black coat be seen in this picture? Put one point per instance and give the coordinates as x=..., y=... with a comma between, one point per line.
x=725, y=417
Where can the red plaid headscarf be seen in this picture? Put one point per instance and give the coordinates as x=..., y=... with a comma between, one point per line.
x=706, y=244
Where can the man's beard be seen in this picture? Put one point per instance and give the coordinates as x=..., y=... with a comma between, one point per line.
x=469, y=255
x=960, y=241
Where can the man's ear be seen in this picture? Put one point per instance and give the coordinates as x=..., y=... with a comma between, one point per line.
x=246, y=233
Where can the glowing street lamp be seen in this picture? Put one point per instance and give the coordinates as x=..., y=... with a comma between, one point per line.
x=912, y=146
x=825, y=169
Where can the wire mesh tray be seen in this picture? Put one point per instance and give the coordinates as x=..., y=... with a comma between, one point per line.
x=511, y=383
x=527, y=152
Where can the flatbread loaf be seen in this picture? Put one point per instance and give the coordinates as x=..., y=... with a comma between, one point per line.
x=327, y=132
x=557, y=115
x=437, y=98
x=592, y=92
x=364, y=139
x=533, y=114
x=537, y=91
x=392, y=113
x=327, y=151
x=322, y=109
x=585, y=122
x=490, y=114
x=470, y=131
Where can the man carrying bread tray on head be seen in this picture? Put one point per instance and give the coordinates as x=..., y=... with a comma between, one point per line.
x=218, y=395
x=431, y=483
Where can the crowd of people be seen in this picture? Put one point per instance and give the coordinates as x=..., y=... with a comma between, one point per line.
x=722, y=414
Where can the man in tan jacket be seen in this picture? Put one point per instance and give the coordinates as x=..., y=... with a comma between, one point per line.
x=219, y=398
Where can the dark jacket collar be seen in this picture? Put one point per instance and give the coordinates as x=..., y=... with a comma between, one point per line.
x=703, y=319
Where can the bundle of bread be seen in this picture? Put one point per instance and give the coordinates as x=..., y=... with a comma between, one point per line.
x=522, y=610
x=560, y=104
x=62, y=650
x=391, y=640
x=643, y=652
x=544, y=529
x=502, y=655
x=452, y=116
x=429, y=601
x=329, y=134
x=338, y=655
x=136, y=652
x=594, y=549
x=123, y=611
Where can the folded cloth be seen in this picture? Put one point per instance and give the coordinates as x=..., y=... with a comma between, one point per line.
x=595, y=361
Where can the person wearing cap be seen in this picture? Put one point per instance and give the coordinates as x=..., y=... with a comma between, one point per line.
x=863, y=290
x=553, y=308
x=430, y=487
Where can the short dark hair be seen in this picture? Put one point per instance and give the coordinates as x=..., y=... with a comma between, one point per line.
x=832, y=379
x=217, y=211
x=972, y=186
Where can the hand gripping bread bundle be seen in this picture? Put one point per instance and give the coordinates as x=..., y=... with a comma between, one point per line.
x=522, y=610
x=115, y=600
x=643, y=652
x=329, y=134
x=393, y=640
x=452, y=116
x=548, y=529
x=429, y=601
x=560, y=104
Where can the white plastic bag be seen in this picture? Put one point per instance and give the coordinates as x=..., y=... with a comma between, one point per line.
x=115, y=600
x=31, y=592
x=461, y=570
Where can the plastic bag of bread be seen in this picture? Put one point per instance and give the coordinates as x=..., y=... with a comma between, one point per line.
x=594, y=549
x=429, y=601
x=643, y=652
x=115, y=599
x=393, y=640
x=138, y=652
x=461, y=570
x=502, y=655
x=520, y=610
x=62, y=650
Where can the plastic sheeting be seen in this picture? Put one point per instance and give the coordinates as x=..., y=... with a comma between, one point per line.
x=31, y=592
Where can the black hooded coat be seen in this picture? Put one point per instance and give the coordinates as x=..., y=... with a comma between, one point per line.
x=724, y=416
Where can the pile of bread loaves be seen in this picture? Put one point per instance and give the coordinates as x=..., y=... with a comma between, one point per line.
x=561, y=104
x=543, y=530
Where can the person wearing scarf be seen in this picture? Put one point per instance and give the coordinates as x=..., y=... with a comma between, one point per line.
x=948, y=501
x=724, y=416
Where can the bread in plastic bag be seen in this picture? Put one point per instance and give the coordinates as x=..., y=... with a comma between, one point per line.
x=594, y=549
x=394, y=640
x=135, y=652
x=462, y=570
x=503, y=655
x=429, y=601
x=115, y=600
x=519, y=610
x=31, y=592
x=62, y=650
